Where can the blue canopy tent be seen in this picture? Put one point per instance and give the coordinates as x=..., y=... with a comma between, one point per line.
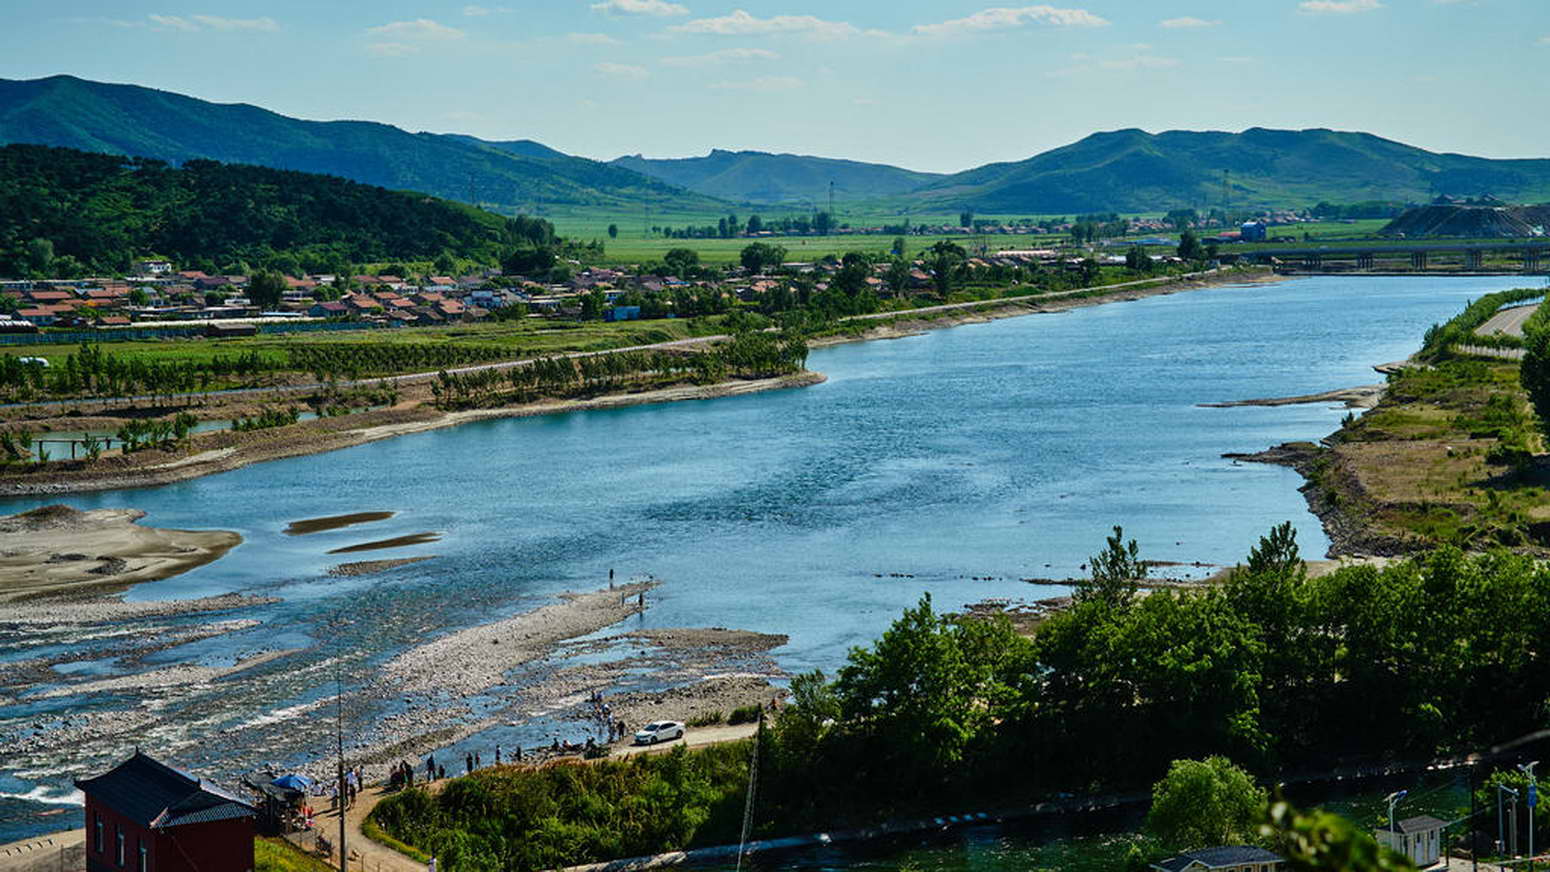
x=293, y=782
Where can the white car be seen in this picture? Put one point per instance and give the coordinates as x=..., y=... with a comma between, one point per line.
x=659, y=731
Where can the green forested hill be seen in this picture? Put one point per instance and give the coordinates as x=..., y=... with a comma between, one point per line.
x=143, y=122
x=102, y=211
x=761, y=177
x=1132, y=170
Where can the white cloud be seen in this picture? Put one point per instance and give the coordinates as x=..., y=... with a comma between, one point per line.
x=98, y=19
x=391, y=49
x=473, y=11
x=1339, y=7
x=173, y=22
x=215, y=22
x=1186, y=22
x=726, y=55
x=1139, y=58
x=740, y=23
x=621, y=71
x=1238, y=59
x=1139, y=62
x=1543, y=40
x=197, y=23
x=766, y=84
x=420, y=28
x=591, y=39
x=1003, y=18
x=658, y=8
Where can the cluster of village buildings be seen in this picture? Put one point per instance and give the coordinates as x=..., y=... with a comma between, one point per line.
x=159, y=293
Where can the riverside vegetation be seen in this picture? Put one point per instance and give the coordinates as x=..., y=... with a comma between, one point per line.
x=1449, y=454
x=1276, y=669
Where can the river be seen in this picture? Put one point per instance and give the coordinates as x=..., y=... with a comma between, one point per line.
x=993, y=451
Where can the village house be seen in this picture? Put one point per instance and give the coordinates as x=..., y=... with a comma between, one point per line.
x=1228, y=858
x=1419, y=838
x=330, y=309
x=145, y=815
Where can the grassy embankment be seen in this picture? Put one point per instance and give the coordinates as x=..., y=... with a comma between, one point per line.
x=1445, y=457
x=278, y=855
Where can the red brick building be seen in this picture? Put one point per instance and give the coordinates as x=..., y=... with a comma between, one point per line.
x=145, y=816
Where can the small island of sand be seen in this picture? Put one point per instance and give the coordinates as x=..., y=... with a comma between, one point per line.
x=57, y=549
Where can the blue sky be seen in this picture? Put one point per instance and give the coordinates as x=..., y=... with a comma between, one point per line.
x=940, y=86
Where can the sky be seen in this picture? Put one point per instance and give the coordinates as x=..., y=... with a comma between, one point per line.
x=939, y=86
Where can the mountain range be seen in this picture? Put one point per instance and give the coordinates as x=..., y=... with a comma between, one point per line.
x=1122, y=171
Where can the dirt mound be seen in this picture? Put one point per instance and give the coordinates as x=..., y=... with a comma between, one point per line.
x=1470, y=222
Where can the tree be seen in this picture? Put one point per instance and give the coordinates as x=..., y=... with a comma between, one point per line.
x=942, y=259
x=1189, y=246
x=898, y=276
x=528, y=261
x=266, y=289
x=1136, y=260
x=613, y=231
x=9, y=303
x=40, y=257
x=683, y=262
x=1534, y=373
x=760, y=256
x=897, y=249
x=1115, y=573
x=966, y=218
x=755, y=225
x=1205, y=803
x=138, y=297
x=592, y=305
x=444, y=264
x=823, y=222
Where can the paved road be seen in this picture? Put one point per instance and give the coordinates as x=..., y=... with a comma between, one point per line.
x=410, y=378
x=1509, y=321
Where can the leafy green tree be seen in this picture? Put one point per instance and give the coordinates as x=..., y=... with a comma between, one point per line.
x=823, y=222
x=1189, y=246
x=613, y=231
x=755, y=225
x=966, y=218
x=592, y=305
x=1136, y=260
x=1115, y=572
x=932, y=687
x=684, y=262
x=560, y=273
x=266, y=289
x=1534, y=373
x=444, y=264
x=897, y=249
x=528, y=262
x=138, y=297
x=1205, y=803
x=757, y=257
x=40, y=257
x=9, y=303
x=942, y=260
x=898, y=276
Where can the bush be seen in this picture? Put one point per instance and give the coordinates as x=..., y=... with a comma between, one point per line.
x=709, y=719
x=748, y=714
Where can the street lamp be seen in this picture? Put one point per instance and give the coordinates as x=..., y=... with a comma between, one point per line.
x=1501, y=836
x=1393, y=800
x=1533, y=799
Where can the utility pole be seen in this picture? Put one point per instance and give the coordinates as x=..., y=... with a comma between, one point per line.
x=344, y=791
x=1512, y=815
x=1533, y=800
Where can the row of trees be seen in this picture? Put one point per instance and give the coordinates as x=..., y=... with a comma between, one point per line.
x=747, y=355
x=92, y=372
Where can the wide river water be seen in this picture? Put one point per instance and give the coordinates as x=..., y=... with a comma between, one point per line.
x=991, y=451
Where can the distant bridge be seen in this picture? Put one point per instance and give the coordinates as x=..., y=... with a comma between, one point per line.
x=1528, y=254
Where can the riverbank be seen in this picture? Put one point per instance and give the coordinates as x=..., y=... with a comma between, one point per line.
x=898, y=325
x=57, y=549
x=223, y=451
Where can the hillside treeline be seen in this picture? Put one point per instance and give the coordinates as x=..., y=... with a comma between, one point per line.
x=65, y=213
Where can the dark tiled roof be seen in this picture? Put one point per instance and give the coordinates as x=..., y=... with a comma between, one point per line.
x=1421, y=824
x=1214, y=858
x=153, y=794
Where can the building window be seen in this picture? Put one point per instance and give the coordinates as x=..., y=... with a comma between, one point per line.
x=98, y=830
x=120, y=833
